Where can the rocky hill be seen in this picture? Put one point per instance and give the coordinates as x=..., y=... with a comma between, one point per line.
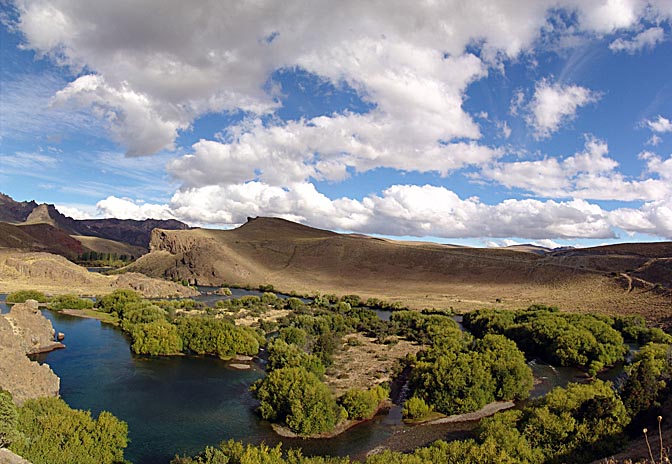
x=295, y=257
x=15, y=211
x=25, y=331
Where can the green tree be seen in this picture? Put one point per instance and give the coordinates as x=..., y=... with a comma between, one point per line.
x=117, y=301
x=296, y=398
x=362, y=404
x=22, y=295
x=8, y=419
x=155, y=338
x=56, y=434
x=512, y=376
x=415, y=408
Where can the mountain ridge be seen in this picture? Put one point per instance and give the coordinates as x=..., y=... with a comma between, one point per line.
x=23, y=224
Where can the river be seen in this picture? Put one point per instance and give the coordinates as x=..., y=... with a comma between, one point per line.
x=179, y=405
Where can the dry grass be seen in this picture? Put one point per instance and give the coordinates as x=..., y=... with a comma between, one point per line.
x=362, y=363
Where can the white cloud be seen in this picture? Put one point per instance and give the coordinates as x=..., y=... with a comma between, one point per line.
x=656, y=165
x=646, y=39
x=21, y=161
x=652, y=218
x=159, y=65
x=554, y=104
x=547, y=243
x=659, y=125
x=403, y=210
x=654, y=140
x=400, y=210
x=131, y=117
x=322, y=148
x=78, y=211
x=589, y=174
x=122, y=208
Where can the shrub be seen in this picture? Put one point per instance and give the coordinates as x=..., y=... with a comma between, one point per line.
x=296, y=398
x=415, y=408
x=61, y=302
x=22, y=295
x=56, y=434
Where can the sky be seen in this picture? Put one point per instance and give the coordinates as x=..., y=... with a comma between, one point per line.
x=482, y=123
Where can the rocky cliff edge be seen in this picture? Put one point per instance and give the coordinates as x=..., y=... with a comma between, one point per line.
x=25, y=331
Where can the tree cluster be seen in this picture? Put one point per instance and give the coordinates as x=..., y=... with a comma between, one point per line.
x=562, y=339
x=48, y=431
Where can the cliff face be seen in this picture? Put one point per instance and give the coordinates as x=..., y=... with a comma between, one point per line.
x=25, y=331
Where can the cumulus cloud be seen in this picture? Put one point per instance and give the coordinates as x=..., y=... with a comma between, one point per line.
x=589, y=174
x=646, y=39
x=660, y=125
x=322, y=148
x=554, y=104
x=130, y=116
x=400, y=210
x=123, y=208
x=149, y=69
x=78, y=211
x=404, y=210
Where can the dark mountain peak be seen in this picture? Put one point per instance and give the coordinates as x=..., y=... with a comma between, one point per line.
x=15, y=211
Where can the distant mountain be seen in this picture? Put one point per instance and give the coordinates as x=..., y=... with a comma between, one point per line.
x=41, y=227
x=14, y=211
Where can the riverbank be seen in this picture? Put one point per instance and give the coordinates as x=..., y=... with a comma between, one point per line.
x=488, y=410
x=91, y=314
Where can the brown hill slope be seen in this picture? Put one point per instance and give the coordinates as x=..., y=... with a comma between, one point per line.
x=39, y=237
x=295, y=257
x=56, y=275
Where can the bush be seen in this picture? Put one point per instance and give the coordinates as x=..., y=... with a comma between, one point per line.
x=156, y=338
x=9, y=417
x=415, y=408
x=296, y=398
x=116, y=301
x=362, y=404
x=61, y=302
x=56, y=434
x=22, y=295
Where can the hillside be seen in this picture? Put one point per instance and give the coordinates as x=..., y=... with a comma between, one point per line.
x=54, y=274
x=295, y=257
x=43, y=228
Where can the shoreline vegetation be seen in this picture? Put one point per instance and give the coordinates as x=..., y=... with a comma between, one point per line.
x=475, y=373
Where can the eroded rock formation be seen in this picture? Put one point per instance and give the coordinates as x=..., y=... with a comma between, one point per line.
x=25, y=331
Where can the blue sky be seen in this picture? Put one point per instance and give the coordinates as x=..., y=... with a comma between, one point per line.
x=485, y=124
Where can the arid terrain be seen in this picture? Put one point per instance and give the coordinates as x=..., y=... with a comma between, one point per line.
x=54, y=274
x=623, y=279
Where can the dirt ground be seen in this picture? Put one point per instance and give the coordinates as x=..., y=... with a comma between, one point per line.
x=362, y=363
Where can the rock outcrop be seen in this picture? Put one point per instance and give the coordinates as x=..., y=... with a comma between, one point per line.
x=25, y=331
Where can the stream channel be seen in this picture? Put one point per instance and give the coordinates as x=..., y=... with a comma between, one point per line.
x=179, y=405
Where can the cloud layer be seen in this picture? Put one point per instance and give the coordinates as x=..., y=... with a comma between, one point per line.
x=148, y=70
